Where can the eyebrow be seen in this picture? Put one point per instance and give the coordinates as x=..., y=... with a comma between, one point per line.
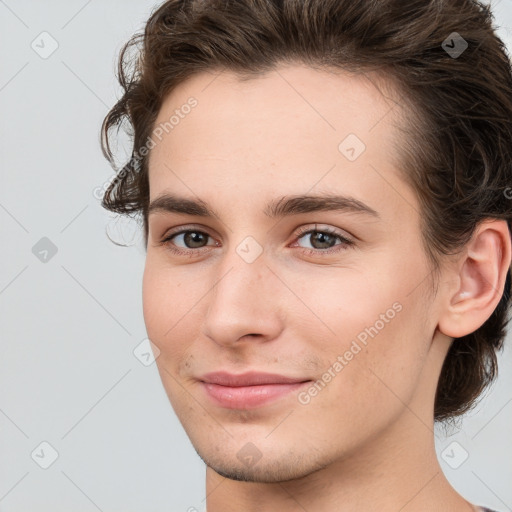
x=277, y=208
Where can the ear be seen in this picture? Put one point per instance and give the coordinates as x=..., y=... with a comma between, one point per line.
x=481, y=272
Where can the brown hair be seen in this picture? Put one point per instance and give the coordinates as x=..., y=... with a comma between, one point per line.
x=456, y=149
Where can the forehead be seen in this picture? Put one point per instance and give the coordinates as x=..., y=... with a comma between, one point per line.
x=287, y=129
x=326, y=102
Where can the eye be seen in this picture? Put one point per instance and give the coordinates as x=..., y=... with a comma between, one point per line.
x=193, y=240
x=323, y=241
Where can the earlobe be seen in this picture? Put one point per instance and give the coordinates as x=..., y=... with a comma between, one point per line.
x=481, y=276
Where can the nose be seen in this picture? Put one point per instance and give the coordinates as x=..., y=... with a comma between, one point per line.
x=245, y=303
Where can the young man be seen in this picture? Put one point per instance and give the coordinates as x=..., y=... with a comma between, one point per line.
x=323, y=186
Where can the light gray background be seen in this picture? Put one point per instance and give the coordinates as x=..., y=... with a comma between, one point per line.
x=69, y=326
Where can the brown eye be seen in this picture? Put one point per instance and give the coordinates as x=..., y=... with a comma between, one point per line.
x=323, y=240
x=193, y=239
x=186, y=241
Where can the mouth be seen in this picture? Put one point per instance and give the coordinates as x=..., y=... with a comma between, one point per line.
x=249, y=390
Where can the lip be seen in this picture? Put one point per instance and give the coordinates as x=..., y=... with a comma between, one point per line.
x=248, y=390
x=248, y=379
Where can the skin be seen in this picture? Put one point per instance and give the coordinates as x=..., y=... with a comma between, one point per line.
x=366, y=440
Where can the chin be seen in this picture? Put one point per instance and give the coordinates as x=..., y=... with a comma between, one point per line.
x=264, y=471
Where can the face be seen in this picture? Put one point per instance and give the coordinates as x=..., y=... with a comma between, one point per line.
x=331, y=295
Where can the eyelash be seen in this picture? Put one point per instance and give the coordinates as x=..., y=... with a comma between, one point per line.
x=345, y=242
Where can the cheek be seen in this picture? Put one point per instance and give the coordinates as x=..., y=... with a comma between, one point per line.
x=342, y=303
x=162, y=303
x=151, y=298
x=173, y=298
x=375, y=320
x=391, y=368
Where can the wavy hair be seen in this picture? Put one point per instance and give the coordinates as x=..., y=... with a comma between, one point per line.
x=456, y=120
